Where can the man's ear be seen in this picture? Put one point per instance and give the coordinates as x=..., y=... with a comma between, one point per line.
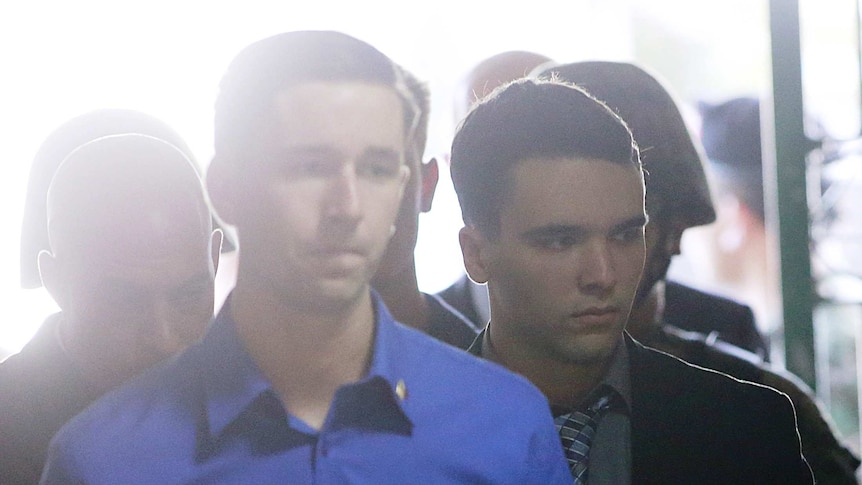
x=430, y=177
x=220, y=181
x=52, y=278
x=474, y=248
x=405, y=176
x=215, y=247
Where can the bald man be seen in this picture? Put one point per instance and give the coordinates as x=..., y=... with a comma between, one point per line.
x=465, y=296
x=131, y=266
x=492, y=72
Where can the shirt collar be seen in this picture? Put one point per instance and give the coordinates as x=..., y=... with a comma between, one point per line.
x=232, y=381
x=617, y=376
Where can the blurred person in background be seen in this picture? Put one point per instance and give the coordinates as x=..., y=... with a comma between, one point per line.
x=395, y=279
x=732, y=254
x=129, y=257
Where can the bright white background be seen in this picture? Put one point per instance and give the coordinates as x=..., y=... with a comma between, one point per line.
x=59, y=59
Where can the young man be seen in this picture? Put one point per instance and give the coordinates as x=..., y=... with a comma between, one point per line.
x=677, y=199
x=129, y=263
x=395, y=279
x=552, y=193
x=304, y=376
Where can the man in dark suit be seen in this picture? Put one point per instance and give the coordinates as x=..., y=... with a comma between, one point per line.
x=678, y=198
x=552, y=193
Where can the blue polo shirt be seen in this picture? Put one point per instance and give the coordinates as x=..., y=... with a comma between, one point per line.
x=425, y=413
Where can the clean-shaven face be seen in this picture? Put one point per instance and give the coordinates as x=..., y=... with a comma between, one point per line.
x=326, y=191
x=564, y=271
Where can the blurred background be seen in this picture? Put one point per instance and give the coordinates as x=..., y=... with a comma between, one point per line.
x=60, y=59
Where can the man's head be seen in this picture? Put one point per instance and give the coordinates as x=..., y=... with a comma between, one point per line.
x=551, y=190
x=54, y=149
x=418, y=193
x=310, y=134
x=678, y=196
x=731, y=138
x=131, y=260
x=492, y=72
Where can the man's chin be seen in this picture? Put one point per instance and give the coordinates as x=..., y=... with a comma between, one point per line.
x=334, y=294
x=591, y=349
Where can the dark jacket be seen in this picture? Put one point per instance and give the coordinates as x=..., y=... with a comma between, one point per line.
x=40, y=389
x=692, y=425
x=697, y=311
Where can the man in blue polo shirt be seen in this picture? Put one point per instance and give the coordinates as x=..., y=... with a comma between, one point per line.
x=304, y=376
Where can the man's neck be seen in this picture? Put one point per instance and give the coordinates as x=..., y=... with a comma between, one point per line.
x=562, y=383
x=306, y=354
x=647, y=313
x=98, y=372
x=401, y=294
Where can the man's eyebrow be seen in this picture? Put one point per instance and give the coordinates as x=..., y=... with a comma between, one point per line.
x=380, y=152
x=323, y=150
x=637, y=221
x=307, y=150
x=553, y=230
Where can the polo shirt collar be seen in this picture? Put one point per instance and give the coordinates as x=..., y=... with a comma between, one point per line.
x=232, y=381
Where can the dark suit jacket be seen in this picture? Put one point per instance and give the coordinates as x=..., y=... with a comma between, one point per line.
x=695, y=426
x=458, y=295
x=697, y=311
x=40, y=389
x=691, y=425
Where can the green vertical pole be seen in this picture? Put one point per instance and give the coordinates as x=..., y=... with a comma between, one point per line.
x=787, y=177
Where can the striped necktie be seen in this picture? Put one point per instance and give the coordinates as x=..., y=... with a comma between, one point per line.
x=578, y=428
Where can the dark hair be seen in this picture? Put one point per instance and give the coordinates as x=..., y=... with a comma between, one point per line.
x=529, y=118
x=671, y=156
x=420, y=97
x=731, y=138
x=262, y=69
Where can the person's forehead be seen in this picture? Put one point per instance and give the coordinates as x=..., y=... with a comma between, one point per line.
x=149, y=227
x=350, y=115
x=321, y=94
x=156, y=260
x=576, y=191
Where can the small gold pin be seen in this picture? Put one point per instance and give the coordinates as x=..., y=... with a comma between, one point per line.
x=401, y=389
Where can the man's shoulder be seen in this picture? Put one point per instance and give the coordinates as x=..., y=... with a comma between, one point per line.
x=448, y=324
x=692, y=309
x=461, y=374
x=709, y=420
x=159, y=397
x=671, y=375
x=40, y=378
x=35, y=358
x=459, y=296
x=679, y=295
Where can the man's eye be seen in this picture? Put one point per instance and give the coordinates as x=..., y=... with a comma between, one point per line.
x=310, y=166
x=557, y=243
x=630, y=235
x=379, y=168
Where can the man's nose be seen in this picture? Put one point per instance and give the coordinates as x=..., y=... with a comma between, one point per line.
x=598, y=274
x=343, y=198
